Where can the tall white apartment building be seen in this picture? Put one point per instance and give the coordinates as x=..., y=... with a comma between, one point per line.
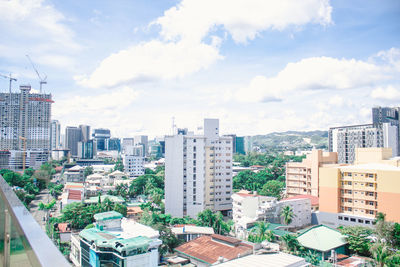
x=133, y=165
x=198, y=171
x=55, y=135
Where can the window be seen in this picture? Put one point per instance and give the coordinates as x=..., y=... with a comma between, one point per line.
x=367, y=222
x=352, y=219
x=346, y=218
x=360, y=221
x=340, y=218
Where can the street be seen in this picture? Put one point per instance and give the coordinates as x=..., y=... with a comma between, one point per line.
x=44, y=197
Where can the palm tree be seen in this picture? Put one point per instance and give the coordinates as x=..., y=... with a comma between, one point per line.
x=291, y=242
x=380, y=253
x=287, y=214
x=108, y=205
x=262, y=232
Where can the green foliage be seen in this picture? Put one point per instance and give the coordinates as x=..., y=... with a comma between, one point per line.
x=291, y=243
x=89, y=226
x=55, y=189
x=312, y=258
x=215, y=220
x=48, y=206
x=119, y=166
x=145, y=183
x=396, y=235
x=260, y=233
x=88, y=171
x=29, y=172
x=357, y=239
x=273, y=189
x=287, y=214
x=120, y=208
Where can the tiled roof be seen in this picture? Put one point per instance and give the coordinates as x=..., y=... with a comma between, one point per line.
x=63, y=228
x=74, y=195
x=210, y=248
x=134, y=210
x=73, y=185
x=314, y=199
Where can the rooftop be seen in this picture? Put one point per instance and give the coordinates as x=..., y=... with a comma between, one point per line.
x=276, y=228
x=209, y=249
x=74, y=195
x=134, y=210
x=321, y=238
x=267, y=260
x=371, y=167
x=94, y=200
x=109, y=215
x=314, y=199
x=191, y=229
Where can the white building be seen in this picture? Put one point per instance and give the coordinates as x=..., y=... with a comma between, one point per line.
x=133, y=165
x=249, y=208
x=115, y=239
x=198, y=171
x=55, y=137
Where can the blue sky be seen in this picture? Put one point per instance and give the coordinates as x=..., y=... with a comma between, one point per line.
x=259, y=66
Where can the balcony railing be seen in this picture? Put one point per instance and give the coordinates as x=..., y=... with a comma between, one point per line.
x=22, y=241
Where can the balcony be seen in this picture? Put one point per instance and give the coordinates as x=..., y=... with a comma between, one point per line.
x=23, y=242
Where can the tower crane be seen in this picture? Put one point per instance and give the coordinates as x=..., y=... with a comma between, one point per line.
x=10, y=78
x=41, y=80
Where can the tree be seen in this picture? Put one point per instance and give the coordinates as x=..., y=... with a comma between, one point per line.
x=119, y=166
x=396, y=235
x=273, y=189
x=380, y=253
x=357, y=237
x=215, y=220
x=120, y=208
x=88, y=171
x=291, y=243
x=287, y=214
x=169, y=240
x=141, y=183
x=260, y=233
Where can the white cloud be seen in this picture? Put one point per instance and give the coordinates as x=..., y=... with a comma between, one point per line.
x=183, y=50
x=40, y=23
x=152, y=60
x=313, y=74
x=243, y=19
x=388, y=93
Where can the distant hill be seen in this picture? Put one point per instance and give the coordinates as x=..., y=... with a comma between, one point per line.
x=291, y=140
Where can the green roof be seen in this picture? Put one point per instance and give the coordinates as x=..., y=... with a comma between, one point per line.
x=109, y=215
x=105, y=239
x=322, y=238
x=95, y=200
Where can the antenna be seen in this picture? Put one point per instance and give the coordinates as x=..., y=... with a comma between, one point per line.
x=41, y=80
x=173, y=125
x=10, y=78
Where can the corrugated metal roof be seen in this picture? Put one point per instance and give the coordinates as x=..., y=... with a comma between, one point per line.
x=109, y=215
x=322, y=238
x=267, y=260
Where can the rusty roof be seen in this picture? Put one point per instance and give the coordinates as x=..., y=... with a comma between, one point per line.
x=314, y=199
x=74, y=194
x=64, y=227
x=210, y=248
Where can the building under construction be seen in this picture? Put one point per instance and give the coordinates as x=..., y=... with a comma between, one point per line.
x=25, y=120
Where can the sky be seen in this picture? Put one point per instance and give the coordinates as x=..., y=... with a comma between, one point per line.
x=260, y=66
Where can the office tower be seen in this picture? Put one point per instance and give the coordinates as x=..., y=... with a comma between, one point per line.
x=85, y=129
x=73, y=135
x=101, y=135
x=87, y=150
x=113, y=144
x=240, y=145
x=382, y=115
x=55, y=135
x=25, y=115
x=142, y=140
x=302, y=178
x=198, y=171
x=354, y=194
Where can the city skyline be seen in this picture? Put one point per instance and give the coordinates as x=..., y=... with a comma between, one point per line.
x=130, y=67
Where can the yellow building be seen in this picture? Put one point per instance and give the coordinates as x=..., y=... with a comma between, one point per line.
x=356, y=193
x=302, y=178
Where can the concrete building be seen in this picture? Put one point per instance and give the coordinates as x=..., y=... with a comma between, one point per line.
x=391, y=116
x=198, y=171
x=190, y=232
x=113, y=144
x=127, y=142
x=354, y=194
x=133, y=165
x=85, y=130
x=55, y=135
x=115, y=240
x=73, y=135
x=101, y=136
x=144, y=141
x=302, y=178
x=87, y=149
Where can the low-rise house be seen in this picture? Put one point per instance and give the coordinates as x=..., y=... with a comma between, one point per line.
x=278, y=259
x=190, y=232
x=64, y=230
x=115, y=240
x=74, y=174
x=134, y=213
x=95, y=200
x=322, y=240
x=211, y=250
x=71, y=196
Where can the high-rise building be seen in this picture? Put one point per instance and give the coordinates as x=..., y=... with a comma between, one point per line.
x=302, y=178
x=198, y=171
x=142, y=140
x=382, y=132
x=25, y=115
x=25, y=121
x=240, y=149
x=55, y=135
x=354, y=194
x=101, y=136
x=73, y=135
x=85, y=129
x=87, y=150
x=113, y=144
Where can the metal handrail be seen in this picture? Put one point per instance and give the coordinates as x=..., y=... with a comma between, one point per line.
x=40, y=250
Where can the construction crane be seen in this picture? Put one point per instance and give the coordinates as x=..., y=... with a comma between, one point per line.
x=24, y=153
x=10, y=78
x=41, y=80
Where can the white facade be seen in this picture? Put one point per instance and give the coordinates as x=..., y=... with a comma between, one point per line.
x=301, y=209
x=133, y=165
x=198, y=172
x=55, y=137
x=390, y=138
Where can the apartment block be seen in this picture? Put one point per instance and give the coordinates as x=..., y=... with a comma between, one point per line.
x=133, y=165
x=198, y=171
x=354, y=194
x=302, y=178
x=55, y=135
